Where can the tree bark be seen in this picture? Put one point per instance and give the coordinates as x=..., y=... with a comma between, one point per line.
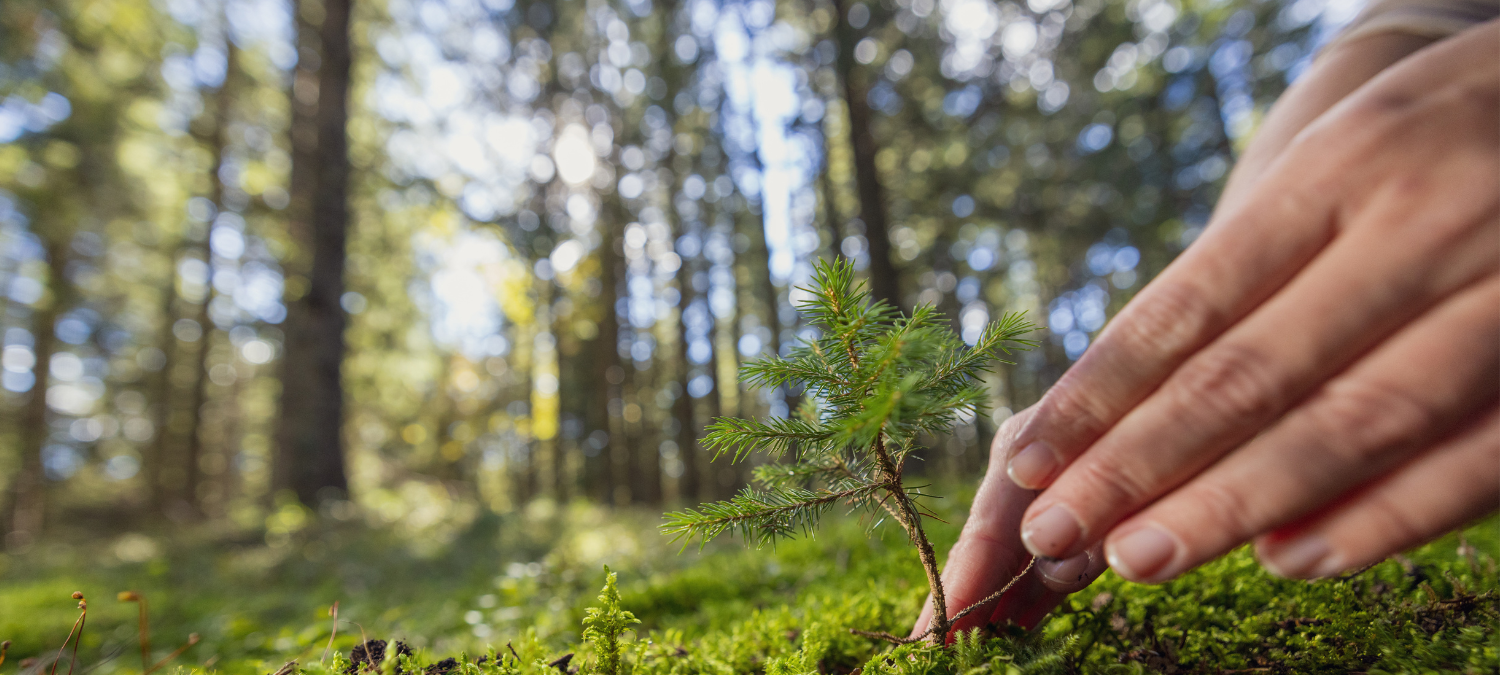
x=618, y=456
x=218, y=142
x=882, y=273
x=28, y=509
x=310, y=440
x=688, y=484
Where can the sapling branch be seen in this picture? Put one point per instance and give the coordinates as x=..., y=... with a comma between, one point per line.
x=872, y=380
x=993, y=596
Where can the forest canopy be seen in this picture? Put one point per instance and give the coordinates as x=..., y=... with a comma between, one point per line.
x=446, y=257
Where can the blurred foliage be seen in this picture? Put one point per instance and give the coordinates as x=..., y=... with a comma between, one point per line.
x=571, y=223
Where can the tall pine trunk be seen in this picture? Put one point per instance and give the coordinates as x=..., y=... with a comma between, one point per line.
x=310, y=460
x=882, y=273
x=28, y=508
x=618, y=456
x=688, y=484
x=218, y=142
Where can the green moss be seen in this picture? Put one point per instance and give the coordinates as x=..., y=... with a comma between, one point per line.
x=728, y=610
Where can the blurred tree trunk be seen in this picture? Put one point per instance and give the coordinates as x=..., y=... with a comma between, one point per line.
x=310, y=460
x=544, y=462
x=218, y=143
x=618, y=455
x=688, y=484
x=28, y=508
x=154, y=458
x=882, y=273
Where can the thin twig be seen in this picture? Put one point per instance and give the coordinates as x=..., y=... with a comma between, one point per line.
x=882, y=635
x=996, y=595
x=932, y=628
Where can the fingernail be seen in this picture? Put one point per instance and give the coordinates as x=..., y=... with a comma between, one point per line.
x=1307, y=557
x=1033, y=466
x=1065, y=571
x=1143, y=555
x=1052, y=533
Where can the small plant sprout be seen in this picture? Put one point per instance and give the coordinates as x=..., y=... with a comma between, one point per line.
x=144, y=628
x=333, y=612
x=873, y=381
x=83, y=613
x=144, y=624
x=603, y=626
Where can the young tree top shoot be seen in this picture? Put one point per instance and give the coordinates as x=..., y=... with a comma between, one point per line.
x=873, y=381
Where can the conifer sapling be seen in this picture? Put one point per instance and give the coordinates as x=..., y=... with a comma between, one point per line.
x=873, y=381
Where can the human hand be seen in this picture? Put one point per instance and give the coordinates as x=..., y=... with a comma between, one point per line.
x=989, y=552
x=1317, y=372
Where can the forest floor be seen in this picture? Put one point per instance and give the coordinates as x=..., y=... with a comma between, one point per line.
x=258, y=601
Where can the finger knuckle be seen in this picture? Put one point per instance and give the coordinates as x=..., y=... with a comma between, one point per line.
x=1229, y=382
x=1114, y=484
x=1359, y=418
x=1084, y=413
x=1165, y=324
x=1391, y=522
x=1223, y=509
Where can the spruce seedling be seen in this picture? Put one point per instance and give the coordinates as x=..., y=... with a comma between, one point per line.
x=873, y=381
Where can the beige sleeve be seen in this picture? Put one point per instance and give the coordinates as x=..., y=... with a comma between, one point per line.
x=1434, y=19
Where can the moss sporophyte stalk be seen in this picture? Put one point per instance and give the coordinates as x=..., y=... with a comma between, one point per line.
x=873, y=380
